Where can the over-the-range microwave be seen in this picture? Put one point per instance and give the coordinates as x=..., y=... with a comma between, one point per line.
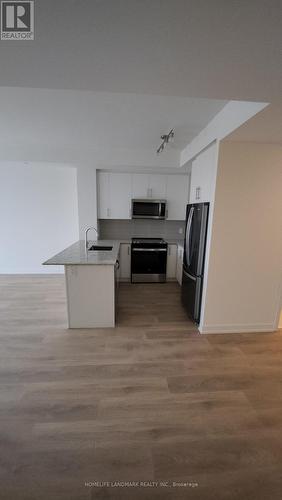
x=148, y=209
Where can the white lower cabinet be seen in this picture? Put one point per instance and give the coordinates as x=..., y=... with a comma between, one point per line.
x=171, y=262
x=91, y=294
x=179, y=264
x=125, y=261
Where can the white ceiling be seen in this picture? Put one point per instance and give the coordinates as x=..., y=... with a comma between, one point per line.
x=222, y=49
x=87, y=125
x=117, y=59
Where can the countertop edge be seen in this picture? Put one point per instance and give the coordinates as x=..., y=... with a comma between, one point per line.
x=75, y=255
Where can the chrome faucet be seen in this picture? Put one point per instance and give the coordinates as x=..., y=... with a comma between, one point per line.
x=86, y=236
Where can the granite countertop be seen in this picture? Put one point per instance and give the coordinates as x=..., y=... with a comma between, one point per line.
x=76, y=254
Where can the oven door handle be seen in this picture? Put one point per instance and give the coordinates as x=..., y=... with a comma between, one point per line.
x=149, y=250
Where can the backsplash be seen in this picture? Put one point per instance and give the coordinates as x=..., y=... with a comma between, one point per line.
x=127, y=229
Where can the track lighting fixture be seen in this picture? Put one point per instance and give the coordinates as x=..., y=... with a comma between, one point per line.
x=166, y=138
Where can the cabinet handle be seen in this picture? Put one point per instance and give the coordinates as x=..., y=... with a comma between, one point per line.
x=198, y=191
x=108, y=212
x=158, y=250
x=128, y=250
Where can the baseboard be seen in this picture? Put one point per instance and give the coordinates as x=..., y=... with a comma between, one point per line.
x=241, y=328
x=32, y=270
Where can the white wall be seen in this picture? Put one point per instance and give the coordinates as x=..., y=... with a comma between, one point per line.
x=245, y=264
x=38, y=215
x=280, y=320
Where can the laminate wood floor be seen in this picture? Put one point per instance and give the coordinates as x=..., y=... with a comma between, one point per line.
x=152, y=402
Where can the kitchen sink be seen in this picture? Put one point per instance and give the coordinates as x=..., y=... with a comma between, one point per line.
x=95, y=248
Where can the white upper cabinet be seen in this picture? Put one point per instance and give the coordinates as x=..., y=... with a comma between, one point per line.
x=120, y=196
x=149, y=186
x=140, y=186
x=114, y=195
x=177, y=196
x=157, y=186
x=115, y=191
x=103, y=195
x=203, y=176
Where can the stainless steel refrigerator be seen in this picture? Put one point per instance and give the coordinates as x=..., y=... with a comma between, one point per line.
x=194, y=258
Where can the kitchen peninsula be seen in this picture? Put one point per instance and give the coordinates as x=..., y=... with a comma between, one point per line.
x=91, y=277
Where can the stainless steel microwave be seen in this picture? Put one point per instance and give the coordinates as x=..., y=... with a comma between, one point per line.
x=148, y=209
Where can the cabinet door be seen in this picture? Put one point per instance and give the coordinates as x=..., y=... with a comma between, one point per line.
x=140, y=186
x=125, y=261
x=157, y=186
x=120, y=195
x=177, y=196
x=103, y=195
x=196, y=181
x=203, y=176
x=171, y=262
x=179, y=265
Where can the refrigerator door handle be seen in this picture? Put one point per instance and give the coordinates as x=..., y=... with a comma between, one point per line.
x=189, y=276
x=189, y=223
x=202, y=241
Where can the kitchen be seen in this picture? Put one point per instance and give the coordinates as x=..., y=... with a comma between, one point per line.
x=142, y=221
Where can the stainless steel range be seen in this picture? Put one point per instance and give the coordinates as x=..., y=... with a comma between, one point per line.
x=148, y=260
